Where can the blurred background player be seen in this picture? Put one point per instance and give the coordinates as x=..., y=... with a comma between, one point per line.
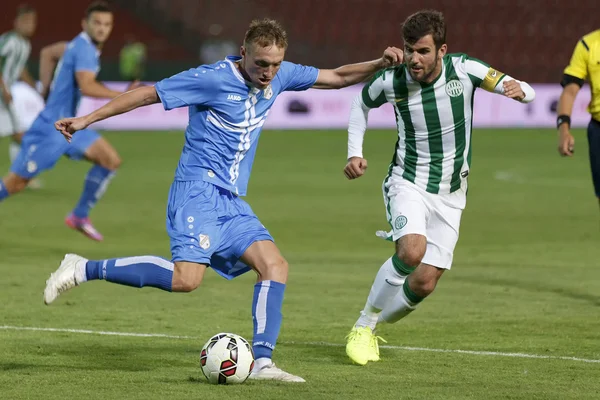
x=14, y=53
x=132, y=60
x=208, y=222
x=584, y=65
x=42, y=147
x=27, y=105
x=426, y=185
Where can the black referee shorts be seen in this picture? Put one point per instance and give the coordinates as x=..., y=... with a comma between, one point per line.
x=594, y=145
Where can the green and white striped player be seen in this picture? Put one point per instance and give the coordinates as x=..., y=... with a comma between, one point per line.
x=14, y=52
x=425, y=188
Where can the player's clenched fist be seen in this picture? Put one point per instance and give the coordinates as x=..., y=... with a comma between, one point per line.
x=68, y=126
x=513, y=90
x=392, y=56
x=355, y=168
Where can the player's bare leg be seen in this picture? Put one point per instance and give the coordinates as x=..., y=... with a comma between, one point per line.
x=272, y=270
x=106, y=162
x=362, y=344
x=12, y=184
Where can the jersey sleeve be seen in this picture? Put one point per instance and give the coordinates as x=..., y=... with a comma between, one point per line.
x=6, y=46
x=297, y=77
x=577, y=67
x=483, y=76
x=373, y=93
x=85, y=59
x=193, y=87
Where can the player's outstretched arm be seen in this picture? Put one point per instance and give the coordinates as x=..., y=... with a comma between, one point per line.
x=352, y=74
x=126, y=102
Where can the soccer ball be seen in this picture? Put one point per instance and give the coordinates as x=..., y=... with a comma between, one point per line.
x=226, y=358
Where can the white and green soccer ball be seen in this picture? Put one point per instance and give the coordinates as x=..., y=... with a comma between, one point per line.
x=226, y=358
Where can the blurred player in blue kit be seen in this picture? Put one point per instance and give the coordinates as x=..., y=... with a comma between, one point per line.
x=75, y=65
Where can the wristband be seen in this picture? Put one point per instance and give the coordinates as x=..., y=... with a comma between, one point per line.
x=562, y=119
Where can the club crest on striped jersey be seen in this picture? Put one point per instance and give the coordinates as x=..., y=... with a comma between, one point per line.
x=204, y=241
x=454, y=88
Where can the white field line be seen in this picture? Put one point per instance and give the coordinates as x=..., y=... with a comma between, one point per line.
x=324, y=344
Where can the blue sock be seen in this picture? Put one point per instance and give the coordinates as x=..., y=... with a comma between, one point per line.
x=133, y=271
x=96, y=182
x=3, y=192
x=266, y=315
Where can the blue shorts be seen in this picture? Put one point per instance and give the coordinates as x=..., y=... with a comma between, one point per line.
x=43, y=145
x=210, y=225
x=594, y=149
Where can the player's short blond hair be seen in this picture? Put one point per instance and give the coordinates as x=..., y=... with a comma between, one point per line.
x=266, y=32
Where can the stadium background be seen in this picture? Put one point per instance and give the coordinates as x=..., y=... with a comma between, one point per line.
x=531, y=40
x=516, y=318
x=533, y=37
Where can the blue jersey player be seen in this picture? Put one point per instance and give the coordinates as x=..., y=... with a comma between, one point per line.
x=77, y=64
x=207, y=221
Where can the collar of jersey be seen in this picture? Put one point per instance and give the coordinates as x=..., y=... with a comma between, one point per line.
x=232, y=60
x=88, y=39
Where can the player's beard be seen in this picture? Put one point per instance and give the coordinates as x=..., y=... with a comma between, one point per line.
x=428, y=75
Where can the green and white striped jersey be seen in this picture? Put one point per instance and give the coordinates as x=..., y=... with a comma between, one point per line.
x=434, y=120
x=14, y=52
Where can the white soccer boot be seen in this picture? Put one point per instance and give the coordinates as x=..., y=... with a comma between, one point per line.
x=271, y=372
x=67, y=276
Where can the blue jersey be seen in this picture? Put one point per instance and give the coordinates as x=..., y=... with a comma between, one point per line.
x=81, y=55
x=226, y=115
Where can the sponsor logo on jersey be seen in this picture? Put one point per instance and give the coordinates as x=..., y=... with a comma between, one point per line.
x=234, y=97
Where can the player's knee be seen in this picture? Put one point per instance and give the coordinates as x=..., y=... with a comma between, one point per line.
x=15, y=184
x=423, y=287
x=275, y=269
x=186, y=277
x=411, y=256
x=185, y=286
x=17, y=137
x=112, y=162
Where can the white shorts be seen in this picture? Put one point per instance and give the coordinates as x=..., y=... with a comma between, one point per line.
x=412, y=210
x=24, y=109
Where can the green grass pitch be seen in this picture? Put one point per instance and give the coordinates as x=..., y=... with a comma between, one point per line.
x=525, y=279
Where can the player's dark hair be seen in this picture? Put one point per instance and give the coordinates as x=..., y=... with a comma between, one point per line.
x=97, y=6
x=423, y=23
x=266, y=32
x=25, y=9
